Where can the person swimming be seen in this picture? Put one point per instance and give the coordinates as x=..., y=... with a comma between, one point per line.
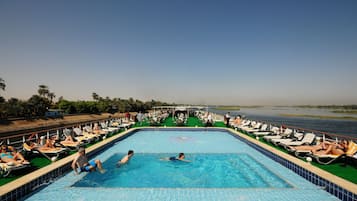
x=126, y=158
x=181, y=157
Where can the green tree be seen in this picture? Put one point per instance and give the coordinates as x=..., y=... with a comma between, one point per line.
x=38, y=105
x=15, y=107
x=67, y=106
x=2, y=101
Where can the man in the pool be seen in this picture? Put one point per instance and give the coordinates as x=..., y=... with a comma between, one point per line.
x=81, y=162
x=126, y=158
x=181, y=157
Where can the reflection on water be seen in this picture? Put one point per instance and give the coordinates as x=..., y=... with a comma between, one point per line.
x=273, y=115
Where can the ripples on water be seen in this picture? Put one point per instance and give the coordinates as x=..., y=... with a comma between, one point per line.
x=272, y=115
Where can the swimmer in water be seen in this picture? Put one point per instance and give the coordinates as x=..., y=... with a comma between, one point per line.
x=181, y=157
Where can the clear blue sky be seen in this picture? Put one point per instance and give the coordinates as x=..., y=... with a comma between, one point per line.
x=182, y=51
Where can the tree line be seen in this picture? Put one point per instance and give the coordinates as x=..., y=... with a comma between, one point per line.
x=37, y=105
x=340, y=107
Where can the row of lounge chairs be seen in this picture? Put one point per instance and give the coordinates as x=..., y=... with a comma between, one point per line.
x=156, y=118
x=205, y=117
x=299, y=142
x=58, y=145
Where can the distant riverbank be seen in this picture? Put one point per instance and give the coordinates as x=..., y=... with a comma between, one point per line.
x=320, y=116
x=321, y=119
x=235, y=107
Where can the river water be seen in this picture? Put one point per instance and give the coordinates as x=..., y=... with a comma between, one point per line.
x=273, y=115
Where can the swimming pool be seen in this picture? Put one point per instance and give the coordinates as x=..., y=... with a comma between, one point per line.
x=208, y=148
x=203, y=171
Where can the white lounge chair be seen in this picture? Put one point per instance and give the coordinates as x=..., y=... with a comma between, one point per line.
x=84, y=136
x=7, y=168
x=264, y=130
x=253, y=129
x=287, y=132
x=329, y=158
x=51, y=154
x=308, y=139
x=295, y=137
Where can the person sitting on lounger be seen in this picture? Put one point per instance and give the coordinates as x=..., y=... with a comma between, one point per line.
x=181, y=157
x=237, y=121
x=81, y=162
x=126, y=158
x=9, y=154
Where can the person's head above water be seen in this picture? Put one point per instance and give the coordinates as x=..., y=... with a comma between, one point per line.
x=181, y=155
x=130, y=152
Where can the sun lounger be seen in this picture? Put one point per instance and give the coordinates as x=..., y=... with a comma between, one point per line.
x=299, y=153
x=294, y=137
x=287, y=132
x=329, y=158
x=7, y=168
x=295, y=140
x=262, y=131
x=84, y=136
x=71, y=145
x=308, y=139
x=245, y=123
x=109, y=129
x=50, y=153
x=70, y=141
x=252, y=129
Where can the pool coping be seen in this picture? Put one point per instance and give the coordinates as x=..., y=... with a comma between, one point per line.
x=337, y=186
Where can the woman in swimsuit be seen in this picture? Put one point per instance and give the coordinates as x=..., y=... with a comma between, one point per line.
x=9, y=154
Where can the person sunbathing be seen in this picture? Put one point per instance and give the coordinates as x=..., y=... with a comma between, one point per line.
x=69, y=142
x=9, y=154
x=323, y=145
x=334, y=149
x=48, y=146
x=97, y=130
x=324, y=148
x=237, y=121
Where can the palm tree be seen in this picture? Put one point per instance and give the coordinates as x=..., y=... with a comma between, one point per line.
x=43, y=90
x=51, y=96
x=95, y=96
x=2, y=84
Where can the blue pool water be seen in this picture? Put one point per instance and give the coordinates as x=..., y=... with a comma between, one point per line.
x=216, y=157
x=203, y=171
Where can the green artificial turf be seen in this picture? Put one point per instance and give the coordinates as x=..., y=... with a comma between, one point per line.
x=36, y=163
x=168, y=122
x=347, y=172
x=219, y=124
x=193, y=122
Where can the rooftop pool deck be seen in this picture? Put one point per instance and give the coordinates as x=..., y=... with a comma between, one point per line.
x=342, y=189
